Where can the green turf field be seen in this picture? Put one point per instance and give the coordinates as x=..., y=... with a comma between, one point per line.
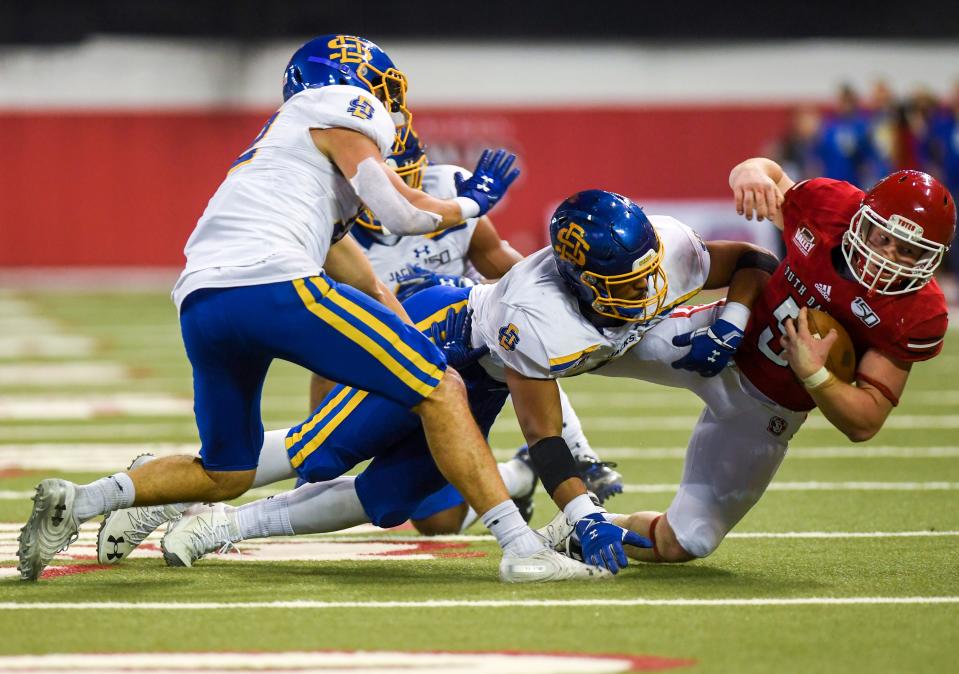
x=88, y=379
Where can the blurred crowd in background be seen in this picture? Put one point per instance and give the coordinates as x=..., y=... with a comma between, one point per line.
x=868, y=135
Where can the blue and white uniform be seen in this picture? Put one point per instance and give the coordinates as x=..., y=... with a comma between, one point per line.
x=443, y=252
x=253, y=288
x=533, y=304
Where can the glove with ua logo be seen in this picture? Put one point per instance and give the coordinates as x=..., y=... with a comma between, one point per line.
x=602, y=542
x=713, y=347
x=488, y=183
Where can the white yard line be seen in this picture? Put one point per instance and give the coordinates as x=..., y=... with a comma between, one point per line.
x=55, y=375
x=46, y=346
x=15, y=407
x=120, y=431
x=471, y=603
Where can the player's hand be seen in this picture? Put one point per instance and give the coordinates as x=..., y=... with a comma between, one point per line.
x=804, y=351
x=490, y=180
x=711, y=348
x=453, y=334
x=416, y=278
x=755, y=192
x=603, y=541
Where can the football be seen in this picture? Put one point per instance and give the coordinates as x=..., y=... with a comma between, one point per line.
x=842, y=356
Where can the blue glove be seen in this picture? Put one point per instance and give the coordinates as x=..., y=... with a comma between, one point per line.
x=452, y=335
x=490, y=180
x=712, y=348
x=602, y=542
x=416, y=278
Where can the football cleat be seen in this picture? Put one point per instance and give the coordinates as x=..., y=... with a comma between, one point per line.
x=123, y=530
x=200, y=531
x=546, y=566
x=556, y=531
x=600, y=478
x=525, y=503
x=52, y=527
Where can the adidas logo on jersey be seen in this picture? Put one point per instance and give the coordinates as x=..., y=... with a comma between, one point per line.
x=824, y=290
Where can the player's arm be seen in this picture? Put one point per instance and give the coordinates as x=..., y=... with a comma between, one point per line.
x=758, y=184
x=491, y=255
x=746, y=269
x=397, y=206
x=346, y=263
x=858, y=411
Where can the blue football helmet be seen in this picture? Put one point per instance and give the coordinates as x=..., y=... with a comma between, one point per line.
x=409, y=165
x=347, y=59
x=609, y=255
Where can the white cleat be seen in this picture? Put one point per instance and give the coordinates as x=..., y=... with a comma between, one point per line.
x=207, y=529
x=557, y=532
x=546, y=566
x=123, y=530
x=52, y=527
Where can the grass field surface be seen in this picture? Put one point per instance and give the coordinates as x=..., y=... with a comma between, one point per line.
x=850, y=563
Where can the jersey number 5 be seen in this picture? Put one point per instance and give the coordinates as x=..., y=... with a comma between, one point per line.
x=788, y=309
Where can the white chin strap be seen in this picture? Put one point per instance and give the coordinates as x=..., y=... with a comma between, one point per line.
x=391, y=209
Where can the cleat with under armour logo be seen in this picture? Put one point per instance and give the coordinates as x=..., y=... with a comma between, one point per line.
x=526, y=503
x=52, y=527
x=123, y=530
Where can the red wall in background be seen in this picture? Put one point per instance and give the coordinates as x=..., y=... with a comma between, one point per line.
x=126, y=188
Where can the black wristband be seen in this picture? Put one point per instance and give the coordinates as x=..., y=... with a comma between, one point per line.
x=553, y=462
x=757, y=259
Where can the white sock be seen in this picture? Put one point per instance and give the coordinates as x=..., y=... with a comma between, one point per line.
x=103, y=496
x=573, y=430
x=580, y=507
x=511, y=532
x=274, y=463
x=519, y=479
x=319, y=507
x=517, y=476
x=263, y=518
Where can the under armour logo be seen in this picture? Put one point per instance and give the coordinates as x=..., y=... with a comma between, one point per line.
x=115, y=542
x=712, y=358
x=484, y=187
x=57, y=518
x=425, y=250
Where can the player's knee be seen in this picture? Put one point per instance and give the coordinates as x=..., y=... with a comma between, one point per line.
x=700, y=541
x=226, y=485
x=450, y=389
x=444, y=522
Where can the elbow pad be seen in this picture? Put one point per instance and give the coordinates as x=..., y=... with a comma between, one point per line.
x=391, y=209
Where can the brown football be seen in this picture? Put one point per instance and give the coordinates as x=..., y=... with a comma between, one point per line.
x=842, y=356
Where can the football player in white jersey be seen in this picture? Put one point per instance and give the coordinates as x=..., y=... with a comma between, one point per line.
x=610, y=275
x=254, y=289
x=459, y=256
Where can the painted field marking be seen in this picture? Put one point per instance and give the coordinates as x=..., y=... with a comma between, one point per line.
x=28, y=325
x=666, y=488
x=53, y=375
x=46, y=346
x=117, y=431
x=471, y=603
x=815, y=422
x=92, y=406
x=94, y=456
x=339, y=662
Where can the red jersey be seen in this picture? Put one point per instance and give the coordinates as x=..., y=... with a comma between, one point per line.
x=816, y=214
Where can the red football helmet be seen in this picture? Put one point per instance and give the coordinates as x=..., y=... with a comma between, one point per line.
x=914, y=208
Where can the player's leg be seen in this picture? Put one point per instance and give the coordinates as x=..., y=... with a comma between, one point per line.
x=319, y=389
x=228, y=380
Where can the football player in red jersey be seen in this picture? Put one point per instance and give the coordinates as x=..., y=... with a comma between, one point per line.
x=865, y=258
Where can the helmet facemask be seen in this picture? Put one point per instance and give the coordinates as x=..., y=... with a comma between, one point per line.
x=878, y=273
x=389, y=87
x=608, y=289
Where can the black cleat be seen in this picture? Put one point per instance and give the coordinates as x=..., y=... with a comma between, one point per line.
x=525, y=503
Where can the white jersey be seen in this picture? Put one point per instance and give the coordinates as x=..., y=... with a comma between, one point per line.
x=532, y=323
x=276, y=214
x=444, y=252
